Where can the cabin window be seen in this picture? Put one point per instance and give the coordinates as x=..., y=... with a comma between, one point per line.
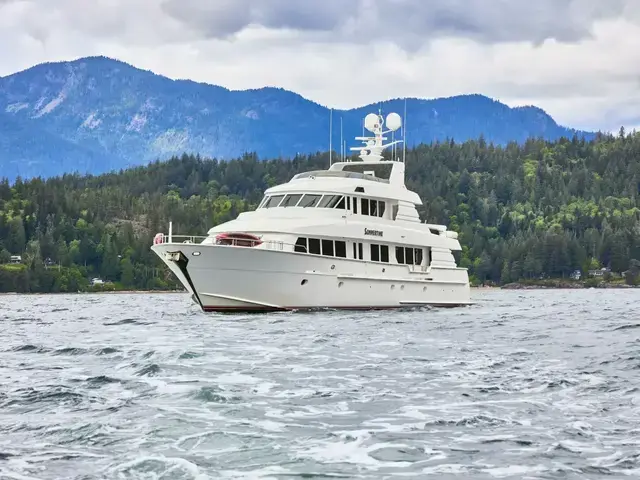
x=355, y=205
x=340, y=203
x=291, y=200
x=325, y=200
x=327, y=248
x=274, y=201
x=365, y=206
x=395, y=212
x=309, y=201
x=384, y=253
x=374, y=208
x=314, y=246
x=379, y=253
x=301, y=245
x=419, y=254
x=400, y=254
x=330, y=201
x=409, y=255
x=357, y=251
x=348, y=203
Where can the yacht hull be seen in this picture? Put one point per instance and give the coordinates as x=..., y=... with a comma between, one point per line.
x=245, y=279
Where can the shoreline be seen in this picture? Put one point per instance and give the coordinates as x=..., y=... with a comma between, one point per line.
x=566, y=286
x=509, y=286
x=94, y=293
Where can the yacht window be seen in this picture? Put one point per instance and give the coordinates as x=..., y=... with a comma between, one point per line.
x=365, y=206
x=418, y=256
x=291, y=200
x=327, y=248
x=273, y=201
x=379, y=253
x=314, y=246
x=348, y=203
x=354, y=251
x=328, y=201
x=395, y=211
x=384, y=253
x=360, y=253
x=355, y=204
x=309, y=201
x=373, y=208
x=408, y=255
x=301, y=245
x=263, y=201
x=341, y=249
x=340, y=203
x=381, y=208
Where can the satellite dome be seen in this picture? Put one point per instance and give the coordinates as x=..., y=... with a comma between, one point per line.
x=393, y=122
x=372, y=122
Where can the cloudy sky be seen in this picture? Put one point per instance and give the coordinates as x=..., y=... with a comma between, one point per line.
x=577, y=59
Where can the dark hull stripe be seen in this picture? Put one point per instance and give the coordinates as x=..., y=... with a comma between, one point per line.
x=261, y=309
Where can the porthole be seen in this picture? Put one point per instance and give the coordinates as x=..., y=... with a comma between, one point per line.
x=304, y=282
x=393, y=287
x=384, y=270
x=401, y=287
x=195, y=254
x=340, y=284
x=333, y=267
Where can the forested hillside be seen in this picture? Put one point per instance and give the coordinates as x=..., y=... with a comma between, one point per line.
x=522, y=211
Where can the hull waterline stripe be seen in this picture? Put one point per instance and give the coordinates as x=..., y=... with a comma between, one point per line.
x=257, y=309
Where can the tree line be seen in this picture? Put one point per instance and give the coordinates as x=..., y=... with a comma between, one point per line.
x=523, y=211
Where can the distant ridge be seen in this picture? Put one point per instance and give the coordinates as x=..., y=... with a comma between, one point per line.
x=97, y=114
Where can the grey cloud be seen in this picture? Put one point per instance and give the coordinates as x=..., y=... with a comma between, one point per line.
x=226, y=17
x=409, y=22
x=493, y=21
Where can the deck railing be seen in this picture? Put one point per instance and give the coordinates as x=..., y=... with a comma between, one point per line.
x=232, y=242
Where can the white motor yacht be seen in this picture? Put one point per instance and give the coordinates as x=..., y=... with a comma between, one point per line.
x=348, y=238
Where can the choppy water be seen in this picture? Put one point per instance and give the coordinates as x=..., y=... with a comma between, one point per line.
x=523, y=385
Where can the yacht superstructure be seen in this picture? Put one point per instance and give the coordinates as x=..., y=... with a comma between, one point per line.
x=346, y=237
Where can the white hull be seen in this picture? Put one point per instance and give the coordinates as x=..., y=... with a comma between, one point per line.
x=232, y=278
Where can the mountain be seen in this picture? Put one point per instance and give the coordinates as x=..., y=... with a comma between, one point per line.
x=96, y=114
